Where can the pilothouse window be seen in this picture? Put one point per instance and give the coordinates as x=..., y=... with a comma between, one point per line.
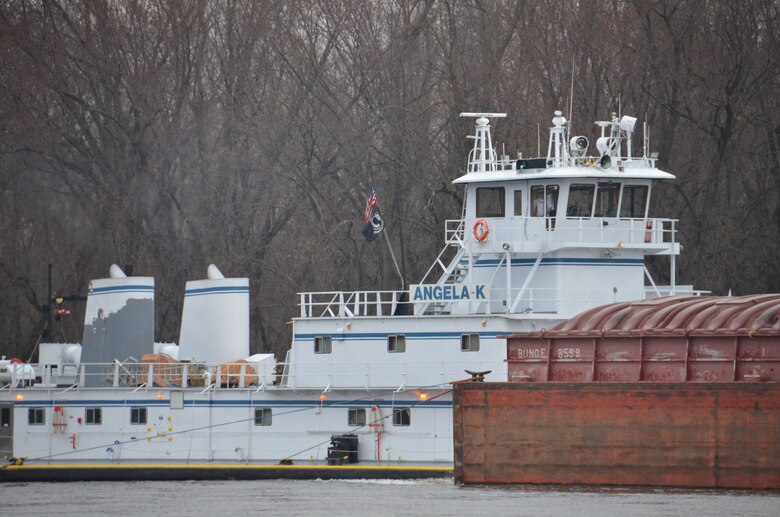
x=634, y=201
x=544, y=203
x=490, y=202
x=580, y=202
x=518, y=202
x=544, y=200
x=607, y=197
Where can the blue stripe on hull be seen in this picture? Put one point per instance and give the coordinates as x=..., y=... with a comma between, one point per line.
x=409, y=335
x=238, y=403
x=563, y=262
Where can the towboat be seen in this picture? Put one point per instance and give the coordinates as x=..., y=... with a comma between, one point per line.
x=365, y=387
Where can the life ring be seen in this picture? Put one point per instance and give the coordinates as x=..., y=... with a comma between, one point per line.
x=481, y=230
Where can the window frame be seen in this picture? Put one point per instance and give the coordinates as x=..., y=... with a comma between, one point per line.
x=547, y=189
x=502, y=202
x=354, y=417
x=467, y=339
x=517, y=198
x=323, y=345
x=402, y=417
x=593, y=187
x=623, y=197
x=396, y=343
x=139, y=411
x=93, y=416
x=264, y=416
x=608, y=185
x=34, y=420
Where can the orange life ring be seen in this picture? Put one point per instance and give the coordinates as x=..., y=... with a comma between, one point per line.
x=481, y=230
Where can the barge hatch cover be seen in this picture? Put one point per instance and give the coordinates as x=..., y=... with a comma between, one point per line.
x=672, y=339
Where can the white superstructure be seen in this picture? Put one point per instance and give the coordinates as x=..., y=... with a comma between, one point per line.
x=538, y=241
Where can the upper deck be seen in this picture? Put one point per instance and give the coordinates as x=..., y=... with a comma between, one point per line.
x=584, y=167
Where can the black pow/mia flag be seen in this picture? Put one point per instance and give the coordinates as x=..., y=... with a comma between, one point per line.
x=374, y=226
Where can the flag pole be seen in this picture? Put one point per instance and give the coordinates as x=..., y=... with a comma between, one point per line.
x=371, y=205
x=395, y=262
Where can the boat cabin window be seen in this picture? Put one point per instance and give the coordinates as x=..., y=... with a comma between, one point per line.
x=402, y=417
x=263, y=416
x=607, y=197
x=323, y=345
x=580, y=202
x=93, y=416
x=544, y=200
x=137, y=415
x=5, y=417
x=396, y=343
x=469, y=343
x=518, y=202
x=490, y=202
x=356, y=417
x=634, y=201
x=36, y=416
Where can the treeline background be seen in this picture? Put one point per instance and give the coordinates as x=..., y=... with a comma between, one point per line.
x=169, y=135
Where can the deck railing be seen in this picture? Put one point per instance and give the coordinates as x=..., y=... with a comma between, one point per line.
x=586, y=230
x=150, y=377
x=510, y=164
x=350, y=304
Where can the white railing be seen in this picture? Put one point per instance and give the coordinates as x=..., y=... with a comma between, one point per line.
x=585, y=230
x=454, y=232
x=534, y=300
x=151, y=377
x=510, y=164
x=340, y=304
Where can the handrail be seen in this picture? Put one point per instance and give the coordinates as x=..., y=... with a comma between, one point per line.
x=319, y=305
x=453, y=263
x=338, y=375
x=595, y=231
x=501, y=164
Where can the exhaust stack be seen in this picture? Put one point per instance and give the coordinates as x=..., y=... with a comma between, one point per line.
x=118, y=322
x=215, y=319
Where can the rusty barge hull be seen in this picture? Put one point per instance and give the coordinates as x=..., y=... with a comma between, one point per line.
x=708, y=435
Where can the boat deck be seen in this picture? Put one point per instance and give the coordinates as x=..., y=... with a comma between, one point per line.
x=172, y=471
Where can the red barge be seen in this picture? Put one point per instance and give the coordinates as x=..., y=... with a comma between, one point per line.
x=674, y=391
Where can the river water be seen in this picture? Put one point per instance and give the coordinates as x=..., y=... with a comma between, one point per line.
x=369, y=498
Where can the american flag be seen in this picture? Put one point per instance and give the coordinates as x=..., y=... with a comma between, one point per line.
x=370, y=204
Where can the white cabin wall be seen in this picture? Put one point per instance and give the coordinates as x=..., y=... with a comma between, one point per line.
x=607, y=280
x=219, y=426
x=433, y=350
